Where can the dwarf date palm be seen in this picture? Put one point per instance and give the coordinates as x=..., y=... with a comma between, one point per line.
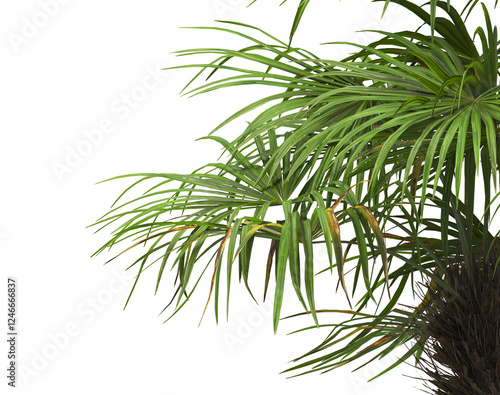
x=375, y=144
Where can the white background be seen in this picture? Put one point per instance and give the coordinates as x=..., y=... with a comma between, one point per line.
x=65, y=70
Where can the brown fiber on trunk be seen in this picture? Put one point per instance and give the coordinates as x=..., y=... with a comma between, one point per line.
x=462, y=355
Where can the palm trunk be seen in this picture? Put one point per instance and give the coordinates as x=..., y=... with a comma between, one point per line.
x=462, y=355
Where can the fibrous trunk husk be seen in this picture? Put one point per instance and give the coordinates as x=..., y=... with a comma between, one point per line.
x=462, y=353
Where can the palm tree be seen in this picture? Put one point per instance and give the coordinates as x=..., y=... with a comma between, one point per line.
x=387, y=143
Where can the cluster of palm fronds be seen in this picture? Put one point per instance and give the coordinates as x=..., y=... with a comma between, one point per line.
x=376, y=143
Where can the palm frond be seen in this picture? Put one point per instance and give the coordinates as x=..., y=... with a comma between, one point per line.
x=378, y=142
